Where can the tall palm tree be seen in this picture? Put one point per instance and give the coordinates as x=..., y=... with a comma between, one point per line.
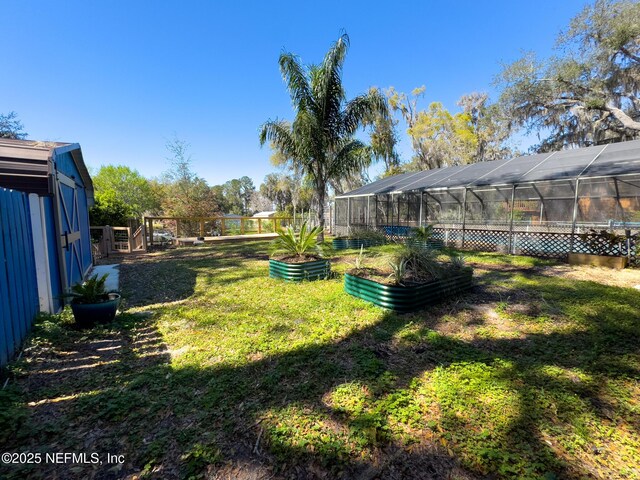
x=320, y=141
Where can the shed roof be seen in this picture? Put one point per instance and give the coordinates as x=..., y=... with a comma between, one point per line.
x=27, y=164
x=599, y=161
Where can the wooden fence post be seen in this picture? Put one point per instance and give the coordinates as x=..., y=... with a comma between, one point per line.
x=129, y=240
x=143, y=232
x=151, y=231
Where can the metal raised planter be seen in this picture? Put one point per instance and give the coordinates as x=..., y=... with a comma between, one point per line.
x=433, y=244
x=314, y=270
x=411, y=297
x=340, y=243
x=344, y=243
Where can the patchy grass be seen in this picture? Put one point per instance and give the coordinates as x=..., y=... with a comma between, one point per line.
x=216, y=371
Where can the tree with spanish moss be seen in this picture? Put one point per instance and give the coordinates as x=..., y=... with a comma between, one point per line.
x=384, y=138
x=320, y=141
x=589, y=93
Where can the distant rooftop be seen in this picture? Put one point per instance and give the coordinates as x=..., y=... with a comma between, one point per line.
x=265, y=214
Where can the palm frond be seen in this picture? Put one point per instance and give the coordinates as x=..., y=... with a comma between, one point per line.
x=293, y=73
x=363, y=109
x=279, y=133
x=352, y=156
x=328, y=91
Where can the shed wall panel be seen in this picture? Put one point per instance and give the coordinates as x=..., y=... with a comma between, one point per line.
x=18, y=286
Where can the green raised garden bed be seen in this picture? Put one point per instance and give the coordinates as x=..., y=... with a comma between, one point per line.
x=314, y=270
x=343, y=243
x=434, y=244
x=408, y=298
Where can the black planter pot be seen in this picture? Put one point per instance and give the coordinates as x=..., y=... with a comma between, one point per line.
x=90, y=314
x=314, y=270
x=409, y=298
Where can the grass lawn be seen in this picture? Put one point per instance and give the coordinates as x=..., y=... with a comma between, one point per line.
x=216, y=371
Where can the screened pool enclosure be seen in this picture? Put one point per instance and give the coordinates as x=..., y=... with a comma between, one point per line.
x=533, y=205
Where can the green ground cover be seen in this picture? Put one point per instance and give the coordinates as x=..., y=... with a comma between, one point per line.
x=216, y=371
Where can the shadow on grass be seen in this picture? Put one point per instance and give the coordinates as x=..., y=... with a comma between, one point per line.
x=172, y=276
x=280, y=416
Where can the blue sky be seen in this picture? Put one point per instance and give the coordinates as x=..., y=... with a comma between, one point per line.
x=123, y=77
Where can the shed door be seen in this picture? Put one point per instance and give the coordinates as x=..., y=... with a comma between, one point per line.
x=69, y=221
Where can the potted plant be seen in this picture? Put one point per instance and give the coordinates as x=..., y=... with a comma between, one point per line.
x=412, y=279
x=91, y=303
x=360, y=237
x=603, y=248
x=298, y=256
x=423, y=237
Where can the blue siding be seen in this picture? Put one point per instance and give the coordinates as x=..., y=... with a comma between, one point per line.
x=66, y=165
x=18, y=287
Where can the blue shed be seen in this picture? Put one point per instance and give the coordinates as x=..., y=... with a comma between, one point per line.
x=57, y=190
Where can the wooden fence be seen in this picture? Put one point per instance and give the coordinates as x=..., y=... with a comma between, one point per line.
x=19, y=302
x=109, y=240
x=215, y=226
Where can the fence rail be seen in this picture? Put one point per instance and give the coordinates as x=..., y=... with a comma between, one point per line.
x=18, y=283
x=180, y=227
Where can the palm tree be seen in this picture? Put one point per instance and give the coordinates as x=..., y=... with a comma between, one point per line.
x=320, y=141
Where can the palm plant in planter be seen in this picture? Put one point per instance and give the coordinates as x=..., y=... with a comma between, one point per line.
x=91, y=303
x=415, y=279
x=298, y=256
x=423, y=237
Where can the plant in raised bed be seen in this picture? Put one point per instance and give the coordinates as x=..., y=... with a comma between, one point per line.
x=604, y=248
x=424, y=237
x=413, y=278
x=358, y=262
x=91, y=303
x=297, y=256
x=398, y=271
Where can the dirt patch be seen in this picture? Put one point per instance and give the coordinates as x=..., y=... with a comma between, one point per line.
x=627, y=278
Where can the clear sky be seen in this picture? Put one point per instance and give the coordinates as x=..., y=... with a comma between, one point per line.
x=122, y=77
